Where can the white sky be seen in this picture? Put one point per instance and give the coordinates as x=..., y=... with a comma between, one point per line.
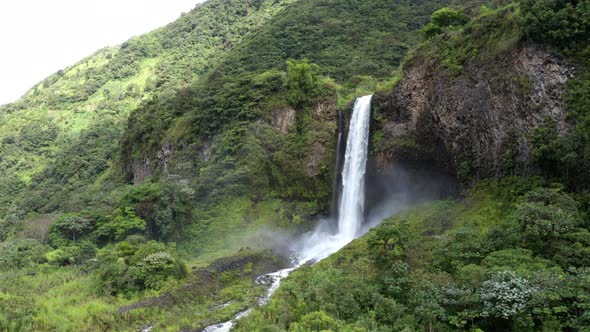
x=39, y=37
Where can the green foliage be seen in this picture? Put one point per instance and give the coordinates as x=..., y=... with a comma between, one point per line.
x=77, y=254
x=316, y=321
x=330, y=34
x=430, y=30
x=388, y=244
x=479, y=39
x=550, y=226
x=460, y=247
x=302, y=81
x=505, y=295
x=445, y=17
x=416, y=275
x=122, y=223
x=22, y=253
x=563, y=23
x=173, y=209
x=442, y=20
x=132, y=266
x=564, y=157
x=188, y=113
x=70, y=226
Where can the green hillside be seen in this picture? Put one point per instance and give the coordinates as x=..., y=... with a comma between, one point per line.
x=183, y=136
x=511, y=255
x=145, y=185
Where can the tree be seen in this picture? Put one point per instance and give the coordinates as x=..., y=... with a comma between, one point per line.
x=545, y=216
x=460, y=247
x=562, y=22
x=388, y=243
x=302, y=81
x=426, y=300
x=505, y=295
x=121, y=224
x=318, y=321
x=443, y=19
x=69, y=226
x=38, y=228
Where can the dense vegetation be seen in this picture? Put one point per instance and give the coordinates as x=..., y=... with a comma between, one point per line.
x=165, y=149
x=176, y=148
x=512, y=257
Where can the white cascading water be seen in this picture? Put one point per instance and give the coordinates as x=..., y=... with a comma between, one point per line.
x=321, y=243
x=352, y=202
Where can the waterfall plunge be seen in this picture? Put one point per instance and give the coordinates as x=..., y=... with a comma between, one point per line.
x=352, y=203
x=321, y=243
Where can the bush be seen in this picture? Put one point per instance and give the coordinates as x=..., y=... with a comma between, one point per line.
x=121, y=224
x=505, y=295
x=72, y=254
x=446, y=17
x=20, y=253
x=302, y=81
x=132, y=266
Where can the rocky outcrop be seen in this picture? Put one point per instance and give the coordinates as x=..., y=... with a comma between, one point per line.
x=478, y=122
x=321, y=141
x=283, y=119
x=140, y=170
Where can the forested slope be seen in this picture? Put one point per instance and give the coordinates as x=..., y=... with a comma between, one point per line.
x=165, y=149
x=144, y=183
x=513, y=253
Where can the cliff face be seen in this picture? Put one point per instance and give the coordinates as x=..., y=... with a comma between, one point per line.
x=476, y=123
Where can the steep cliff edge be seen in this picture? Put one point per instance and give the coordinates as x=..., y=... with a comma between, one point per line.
x=472, y=116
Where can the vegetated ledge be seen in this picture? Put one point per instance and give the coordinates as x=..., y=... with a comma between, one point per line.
x=204, y=282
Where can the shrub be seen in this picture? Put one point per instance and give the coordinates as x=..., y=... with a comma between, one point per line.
x=20, y=253
x=133, y=266
x=446, y=16
x=72, y=254
x=121, y=224
x=302, y=81
x=505, y=295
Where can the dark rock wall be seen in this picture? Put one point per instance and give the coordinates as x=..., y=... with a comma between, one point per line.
x=476, y=123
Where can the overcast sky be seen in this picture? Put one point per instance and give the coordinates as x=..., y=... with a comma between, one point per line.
x=39, y=37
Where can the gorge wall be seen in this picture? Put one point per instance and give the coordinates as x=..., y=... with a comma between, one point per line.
x=475, y=123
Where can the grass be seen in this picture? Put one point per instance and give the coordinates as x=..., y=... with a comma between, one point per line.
x=66, y=299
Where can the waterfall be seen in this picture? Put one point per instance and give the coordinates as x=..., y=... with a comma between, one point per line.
x=352, y=203
x=336, y=177
x=321, y=243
